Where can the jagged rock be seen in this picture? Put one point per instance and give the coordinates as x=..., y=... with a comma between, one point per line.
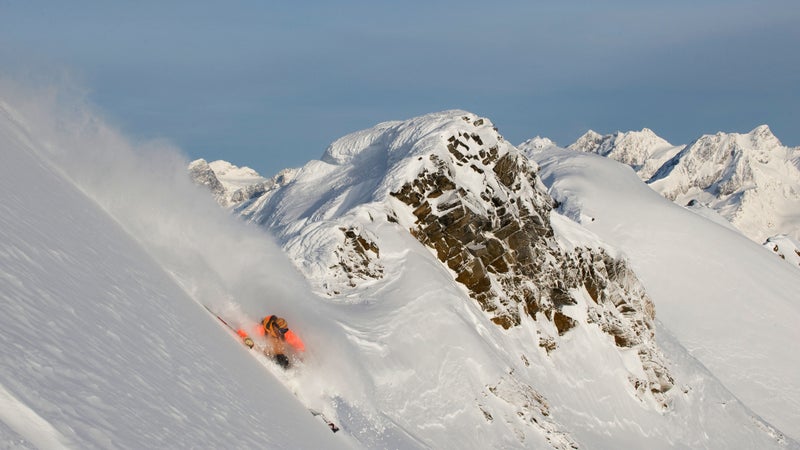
x=203, y=175
x=358, y=257
x=500, y=245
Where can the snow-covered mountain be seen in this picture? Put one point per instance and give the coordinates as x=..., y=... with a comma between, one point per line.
x=643, y=150
x=439, y=217
x=750, y=179
x=471, y=198
x=233, y=185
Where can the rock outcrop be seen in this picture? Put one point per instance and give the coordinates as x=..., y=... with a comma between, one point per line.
x=499, y=244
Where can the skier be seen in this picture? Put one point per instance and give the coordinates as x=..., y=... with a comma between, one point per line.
x=279, y=339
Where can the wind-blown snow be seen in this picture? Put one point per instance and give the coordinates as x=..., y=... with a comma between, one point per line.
x=731, y=304
x=101, y=348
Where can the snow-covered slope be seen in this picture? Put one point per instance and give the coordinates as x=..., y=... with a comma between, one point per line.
x=732, y=305
x=479, y=317
x=100, y=347
x=750, y=179
x=643, y=150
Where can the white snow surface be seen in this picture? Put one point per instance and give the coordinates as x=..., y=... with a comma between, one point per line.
x=234, y=177
x=733, y=306
x=108, y=252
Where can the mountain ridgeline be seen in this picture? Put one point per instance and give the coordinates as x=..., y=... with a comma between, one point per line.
x=748, y=180
x=475, y=201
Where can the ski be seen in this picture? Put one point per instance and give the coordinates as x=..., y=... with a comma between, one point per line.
x=246, y=340
x=319, y=414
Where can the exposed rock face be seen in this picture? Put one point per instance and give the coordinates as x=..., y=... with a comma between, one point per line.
x=500, y=245
x=203, y=175
x=359, y=258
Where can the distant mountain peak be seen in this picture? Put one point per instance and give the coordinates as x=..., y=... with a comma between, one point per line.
x=762, y=136
x=588, y=142
x=232, y=185
x=537, y=143
x=751, y=179
x=643, y=150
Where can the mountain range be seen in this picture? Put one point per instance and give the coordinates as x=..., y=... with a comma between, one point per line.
x=453, y=290
x=749, y=180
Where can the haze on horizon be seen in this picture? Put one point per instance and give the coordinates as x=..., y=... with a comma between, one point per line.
x=271, y=85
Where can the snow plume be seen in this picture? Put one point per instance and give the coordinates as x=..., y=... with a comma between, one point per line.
x=230, y=266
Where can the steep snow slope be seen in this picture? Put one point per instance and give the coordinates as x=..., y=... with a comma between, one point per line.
x=732, y=305
x=750, y=179
x=643, y=150
x=101, y=349
x=426, y=363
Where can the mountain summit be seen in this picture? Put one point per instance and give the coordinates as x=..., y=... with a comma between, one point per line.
x=643, y=150
x=469, y=196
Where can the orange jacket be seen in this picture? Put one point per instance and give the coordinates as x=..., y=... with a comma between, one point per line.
x=294, y=340
x=270, y=328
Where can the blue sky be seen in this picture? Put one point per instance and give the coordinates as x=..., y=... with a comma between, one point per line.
x=270, y=84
